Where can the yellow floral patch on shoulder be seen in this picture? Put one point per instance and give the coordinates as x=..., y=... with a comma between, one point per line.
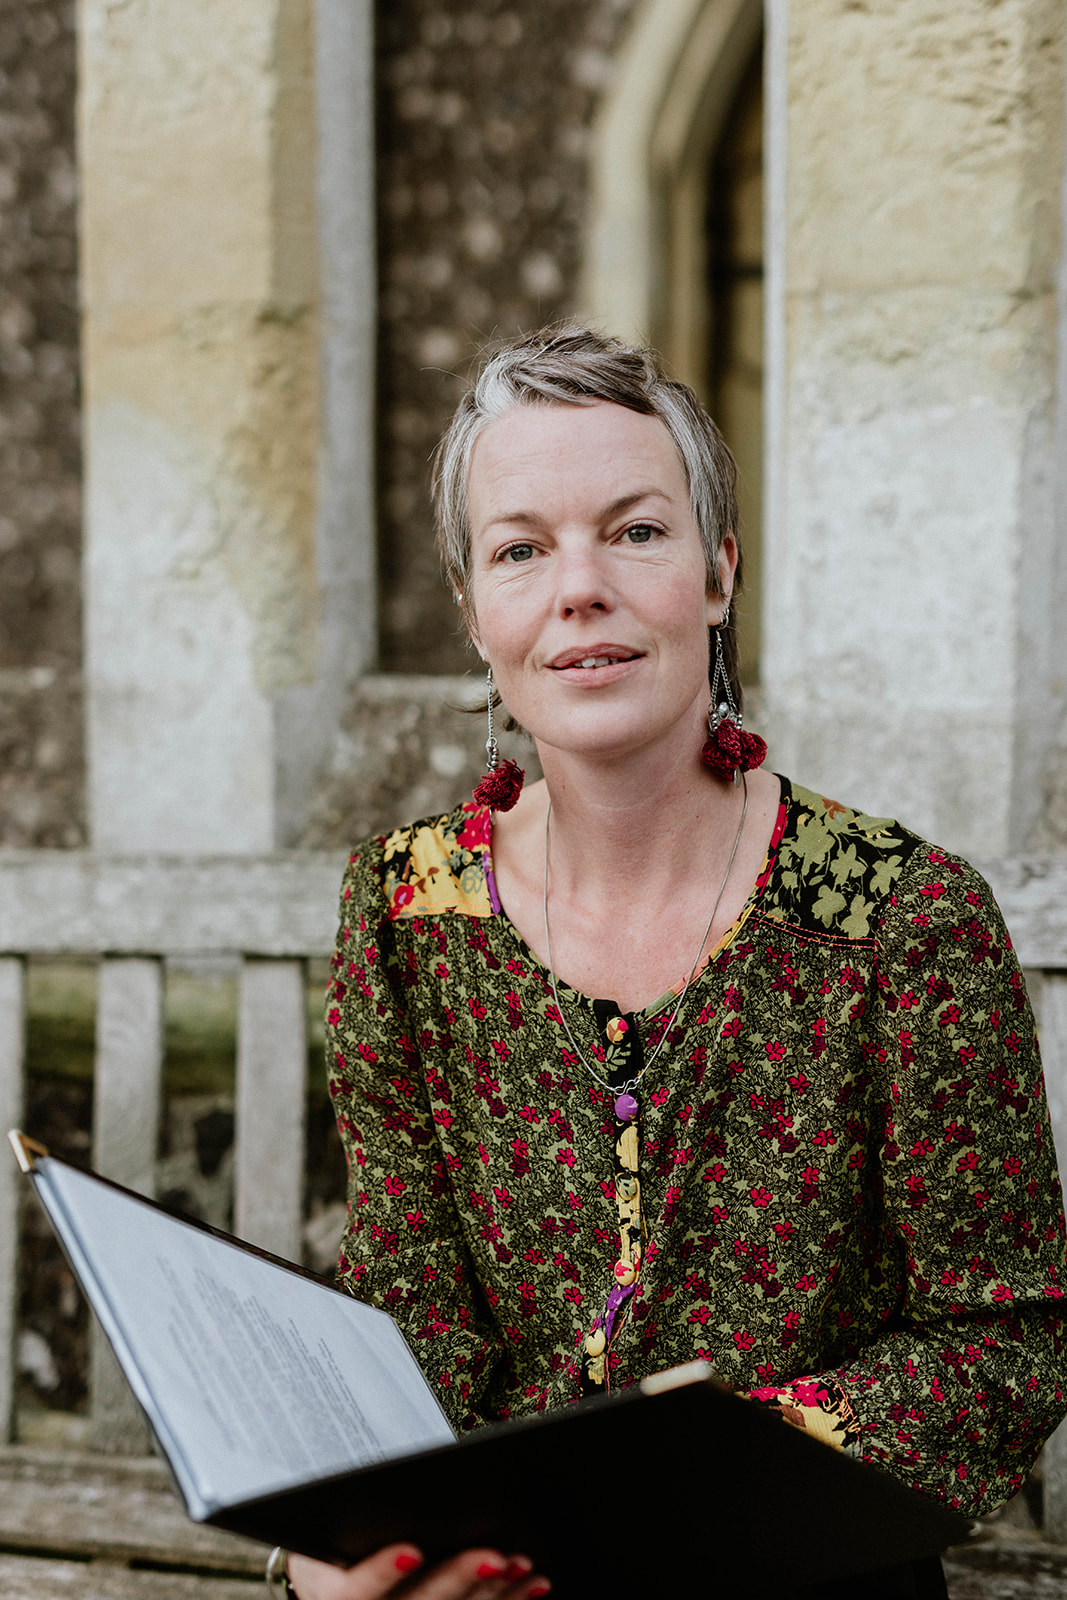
x=439, y=866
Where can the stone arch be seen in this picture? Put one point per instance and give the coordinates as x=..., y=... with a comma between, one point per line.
x=661, y=116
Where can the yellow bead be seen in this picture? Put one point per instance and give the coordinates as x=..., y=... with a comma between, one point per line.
x=595, y=1342
x=627, y=1148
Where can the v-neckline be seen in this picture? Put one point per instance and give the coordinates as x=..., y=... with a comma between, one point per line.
x=670, y=994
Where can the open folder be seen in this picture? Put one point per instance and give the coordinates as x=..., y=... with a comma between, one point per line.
x=294, y=1414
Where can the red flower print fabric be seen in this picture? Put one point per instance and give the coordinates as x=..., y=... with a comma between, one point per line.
x=848, y=1187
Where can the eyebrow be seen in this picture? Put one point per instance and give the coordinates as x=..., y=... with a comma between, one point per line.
x=614, y=509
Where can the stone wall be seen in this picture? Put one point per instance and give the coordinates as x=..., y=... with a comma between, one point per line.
x=920, y=255
x=913, y=641
x=484, y=116
x=483, y=128
x=201, y=341
x=407, y=747
x=40, y=465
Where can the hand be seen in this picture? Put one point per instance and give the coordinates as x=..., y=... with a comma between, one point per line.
x=398, y=1570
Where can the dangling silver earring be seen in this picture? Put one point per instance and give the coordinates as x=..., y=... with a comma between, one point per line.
x=729, y=749
x=503, y=781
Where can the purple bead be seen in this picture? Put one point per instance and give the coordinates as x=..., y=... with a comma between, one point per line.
x=616, y=1300
x=626, y=1108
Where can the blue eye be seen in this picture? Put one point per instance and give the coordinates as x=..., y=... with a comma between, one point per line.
x=640, y=533
x=517, y=552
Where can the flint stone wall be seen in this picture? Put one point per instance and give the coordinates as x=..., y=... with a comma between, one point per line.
x=41, y=774
x=484, y=118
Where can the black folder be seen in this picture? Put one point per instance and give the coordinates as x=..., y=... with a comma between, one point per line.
x=291, y=1413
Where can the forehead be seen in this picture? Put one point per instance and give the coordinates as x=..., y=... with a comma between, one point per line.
x=560, y=453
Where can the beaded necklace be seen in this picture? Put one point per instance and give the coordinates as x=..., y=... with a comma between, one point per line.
x=627, y=1108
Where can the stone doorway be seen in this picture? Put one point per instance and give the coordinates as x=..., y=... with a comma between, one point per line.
x=735, y=323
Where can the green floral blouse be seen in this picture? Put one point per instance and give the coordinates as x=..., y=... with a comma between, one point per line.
x=851, y=1205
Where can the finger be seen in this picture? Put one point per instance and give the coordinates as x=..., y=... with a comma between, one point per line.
x=495, y=1578
x=522, y=1582
x=371, y=1579
x=479, y=1574
x=471, y=1575
x=531, y=1586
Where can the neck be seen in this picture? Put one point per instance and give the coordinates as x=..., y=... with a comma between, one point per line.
x=637, y=863
x=605, y=818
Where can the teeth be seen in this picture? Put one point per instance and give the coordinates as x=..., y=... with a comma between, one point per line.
x=596, y=661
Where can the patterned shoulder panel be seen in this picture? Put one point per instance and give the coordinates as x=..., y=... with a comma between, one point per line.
x=438, y=865
x=835, y=868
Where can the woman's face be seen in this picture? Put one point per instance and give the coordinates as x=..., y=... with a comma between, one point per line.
x=588, y=579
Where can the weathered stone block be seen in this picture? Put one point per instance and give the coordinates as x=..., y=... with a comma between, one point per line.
x=407, y=748
x=919, y=142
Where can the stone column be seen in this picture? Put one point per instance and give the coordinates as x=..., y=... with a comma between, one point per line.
x=912, y=580
x=229, y=592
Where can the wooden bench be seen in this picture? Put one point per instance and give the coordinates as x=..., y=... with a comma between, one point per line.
x=275, y=913
x=110, y=1527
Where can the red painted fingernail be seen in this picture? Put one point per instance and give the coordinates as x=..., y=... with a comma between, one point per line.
x=518, y=1567
x=406, y=1562
x=490, y=1569
x=536, y=1590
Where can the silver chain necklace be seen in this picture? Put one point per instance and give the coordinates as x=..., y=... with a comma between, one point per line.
x=631, y=1083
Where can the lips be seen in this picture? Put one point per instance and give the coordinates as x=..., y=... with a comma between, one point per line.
x=593, y=657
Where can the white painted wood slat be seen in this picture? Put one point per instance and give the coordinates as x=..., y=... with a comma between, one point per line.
x=129, y=1066
x=12, y=1067
x=286, y=904
x=1032, y=893
x=126, y=1107
x=279, y=905
x=271, y=1114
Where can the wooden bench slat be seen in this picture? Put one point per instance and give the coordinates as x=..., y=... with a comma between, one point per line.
x=127, y=1093
x=129, y=1066
x=71, y=902
x=1032, y=893
x=43, y=1578
x=271, y=1112
x=88, y=1506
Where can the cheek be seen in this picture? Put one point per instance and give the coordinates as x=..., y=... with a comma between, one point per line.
x=480, y=616
x=692, y=616
x=505, y=616
x=496, y=644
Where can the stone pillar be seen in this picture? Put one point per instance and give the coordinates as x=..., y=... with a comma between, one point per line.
x=912, y=585
x=228, y=530
x=309, y=714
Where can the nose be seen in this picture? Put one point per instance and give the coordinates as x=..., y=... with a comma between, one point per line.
x=583, y=585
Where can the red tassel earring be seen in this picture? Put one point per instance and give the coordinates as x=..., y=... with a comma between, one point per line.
x=729, y=749
x=502, y=784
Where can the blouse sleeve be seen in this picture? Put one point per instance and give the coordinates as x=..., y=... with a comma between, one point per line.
x=403, y=1246
x=967, y=1380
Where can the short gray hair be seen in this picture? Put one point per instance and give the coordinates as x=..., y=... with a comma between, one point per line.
x=574, y=366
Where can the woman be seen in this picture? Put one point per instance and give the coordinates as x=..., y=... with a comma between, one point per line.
x=658, y=1064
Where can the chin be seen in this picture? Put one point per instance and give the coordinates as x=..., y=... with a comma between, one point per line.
x=606, y=744
x=615, y=728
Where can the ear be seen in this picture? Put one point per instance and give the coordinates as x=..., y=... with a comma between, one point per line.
x=716, y=604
